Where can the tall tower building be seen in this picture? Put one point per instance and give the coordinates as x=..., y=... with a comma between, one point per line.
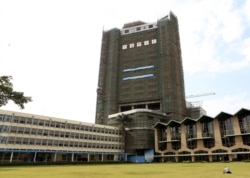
x=141, y=67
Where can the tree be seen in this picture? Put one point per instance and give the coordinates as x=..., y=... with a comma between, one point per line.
x=7, y=93
x=123, y=121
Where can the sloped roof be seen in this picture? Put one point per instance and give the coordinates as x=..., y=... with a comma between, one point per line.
x=223, y=115
x=242, y=112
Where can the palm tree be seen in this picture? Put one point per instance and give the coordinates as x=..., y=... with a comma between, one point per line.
x=123, y=120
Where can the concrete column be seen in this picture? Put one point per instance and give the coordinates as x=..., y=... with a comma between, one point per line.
x=72, y=157
x=102, y=157
x=88, y=158
x=183, y=137
x=55, y=157
x=217, y=134
x=236, y=125
x=210, y=158
x=230, y=157
x=198, y=129
x=156, y=141
x=34, y=159
x=192, y=158
x=199, y=135
x=169, y=144
x=176, y=159
x=162, y=159
x=11, y=157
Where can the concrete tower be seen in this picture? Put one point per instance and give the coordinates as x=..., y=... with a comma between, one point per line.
x=141, y=67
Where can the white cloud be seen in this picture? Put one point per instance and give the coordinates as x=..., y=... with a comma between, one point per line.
x=212, y=44
x=228, y=103
x=246, y=10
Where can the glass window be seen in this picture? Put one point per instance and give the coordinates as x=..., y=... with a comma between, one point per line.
x=154, y=41
x=138, y=44
x=131, y=45
x=124, y=46
x=146, y=42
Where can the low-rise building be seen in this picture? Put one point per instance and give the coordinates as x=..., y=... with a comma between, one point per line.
x=31, y=138
x=223, y=138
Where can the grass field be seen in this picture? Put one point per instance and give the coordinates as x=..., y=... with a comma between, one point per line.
x=156, y=170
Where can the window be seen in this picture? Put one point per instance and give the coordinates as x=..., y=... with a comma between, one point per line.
x=146, y=42
x=138, y=28
x=124, y=46
x=138, y=44
x=126, y=31
x=131, y=45
x=138, y=77
x=138, y=68
x=150, y=26
x=154, y=41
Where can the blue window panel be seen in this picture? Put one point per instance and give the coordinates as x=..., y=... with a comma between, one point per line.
x=138, y=77
x=138, y=68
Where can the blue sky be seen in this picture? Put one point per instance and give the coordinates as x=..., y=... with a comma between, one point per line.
x=52, y=50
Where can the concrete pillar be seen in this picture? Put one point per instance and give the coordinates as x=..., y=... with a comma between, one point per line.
x=198, y=129
x=55, y=156
x=236, y=125
x=210, y=158
x=169, y=144
x=230, y=157
x=183, y=137
x=176, y=159
x=199, y=135
x=217, y=134
x=34, y=159
x=102, y=157
x=156, y=140
x=162, y=158
x=72, y=157
x=192, y=158
x=11, y=157
x=88, y=158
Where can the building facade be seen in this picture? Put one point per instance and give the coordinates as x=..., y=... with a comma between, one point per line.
x=138, y=132
x=32, y=138
x=141, y=67
x=223, y=138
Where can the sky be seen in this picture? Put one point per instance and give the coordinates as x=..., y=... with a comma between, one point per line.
x=51, y=48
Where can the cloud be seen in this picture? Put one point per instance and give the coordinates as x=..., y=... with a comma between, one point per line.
x=228, y=103
x=216, y=43
x=246, y=10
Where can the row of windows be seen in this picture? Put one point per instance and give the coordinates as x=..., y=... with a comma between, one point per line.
x=138, y=28
x=59, y=143
x=139, y=44
x=58, y=134
x=55, y=124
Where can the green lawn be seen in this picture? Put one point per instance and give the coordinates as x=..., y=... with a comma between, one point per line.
x=156, y=170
